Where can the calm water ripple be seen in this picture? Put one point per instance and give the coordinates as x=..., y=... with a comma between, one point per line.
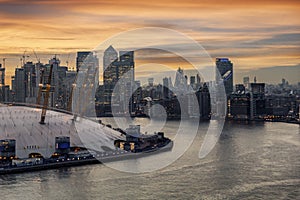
x=253, y=161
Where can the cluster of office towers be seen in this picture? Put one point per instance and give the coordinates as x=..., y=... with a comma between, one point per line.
x=120, y=93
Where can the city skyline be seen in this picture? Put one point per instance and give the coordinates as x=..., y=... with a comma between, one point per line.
x=189, y=99
x=143, y=71
x=256, y=36
x=121, y=89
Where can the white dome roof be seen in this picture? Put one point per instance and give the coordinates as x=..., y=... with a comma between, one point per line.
x=22, y=124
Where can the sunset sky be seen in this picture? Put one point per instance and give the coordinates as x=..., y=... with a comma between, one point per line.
x=256, y=36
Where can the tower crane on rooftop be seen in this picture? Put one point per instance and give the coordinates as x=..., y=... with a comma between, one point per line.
x=37, y=58
x=23, y=58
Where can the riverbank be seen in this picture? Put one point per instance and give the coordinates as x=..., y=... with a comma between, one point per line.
x=97, y=159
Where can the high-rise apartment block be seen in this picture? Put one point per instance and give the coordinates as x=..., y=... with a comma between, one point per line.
x=224, y=74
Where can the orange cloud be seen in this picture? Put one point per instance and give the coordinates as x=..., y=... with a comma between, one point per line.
x=245, y=31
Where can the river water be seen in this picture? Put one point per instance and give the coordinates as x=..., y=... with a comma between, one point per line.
x=250, y=161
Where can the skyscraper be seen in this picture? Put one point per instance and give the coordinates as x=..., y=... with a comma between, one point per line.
x=81, y=56
x=110, y=68
x=258, y=101
x=30, y=82
x=123, y=68
x=166, y=89
x=179, y=79
x=126, y=78
x=258, y=88
x=239, y=105
x=2, y=82
x=151, y=82
x=110, y=55
x=192, y=80
x=170, y=83
x=4, y=89
x=118, y=76
x=224, y=74
x=86, y=83
x=198, y=79
x=2, y=75
x=19, y=86
x=203, y=97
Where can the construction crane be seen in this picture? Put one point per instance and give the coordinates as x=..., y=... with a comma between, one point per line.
x=37, y=58
x=23, y=58
x=46, y=99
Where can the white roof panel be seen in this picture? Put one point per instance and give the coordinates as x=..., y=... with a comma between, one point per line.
x=22, y=124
